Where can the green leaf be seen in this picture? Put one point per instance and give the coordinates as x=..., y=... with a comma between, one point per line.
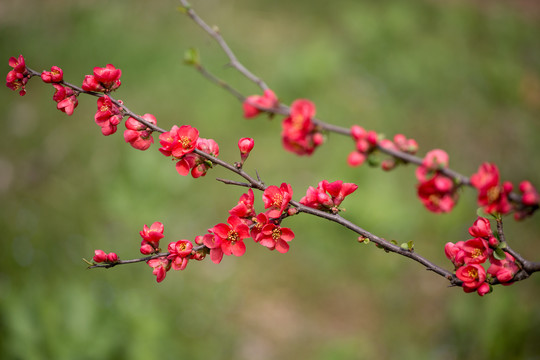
x=192, y=57
x=499, y=254
x=373, y=159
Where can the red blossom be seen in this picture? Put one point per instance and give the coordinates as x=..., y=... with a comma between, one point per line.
x=179, y=141
x=481, y=228
x=476, y=251
x=258, y=223
x=504, y=270
x=180, y=253
x=366, y=142
x=104, y=79
x=438, y=194
x=56, y=75
x=277, y=199
x=268, y=101
x=299, y=134
x=455, y=253
x=65, y=98
x=17, y=78
x=245, y=145
x=275, y=237
x=213, y=243
x=138, y=134
x=434, y=161
x=160, y=265
x=232, y=235
x=472, y=275
x=108, y=115
x=328, y=196
x=492, y=196
x=100, y=256
x=197, y=164
x=151, y=236
x=245, y=208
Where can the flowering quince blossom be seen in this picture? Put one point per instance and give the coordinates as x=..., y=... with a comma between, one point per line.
x=328, y=196
x=268, y=100
x=492, y=196
x=180, y=253
x=455, y=253
x=277, y=199
x=104, y=79
x=529, y=199
x=56, y=75
x=232, y=236
x=179, y=141
x=65, y=98
x=196, y=163
x=161, y=266
x=100, y=256
x=275, y=237
x=481, y=229
x=504, y=270
x=258, y=223
x=17, y=78
x=245, y=208
x=476, y=251
x=108, y=115
x=436, y=191
x=245, y=145
x=151, y=236
x=366, y=142
x=138, y=134
x=472, y=275
x=299, y=134
x=213, y=243
x=400, y=143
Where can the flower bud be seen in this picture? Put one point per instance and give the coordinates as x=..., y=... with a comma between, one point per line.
x=245, y=145
x=99, y=256
x=112, y=257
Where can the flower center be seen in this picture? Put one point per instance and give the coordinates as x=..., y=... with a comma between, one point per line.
x=185, y=142
x=473, y=273
x=276, y=234
x=232, y=236
x=277, y=200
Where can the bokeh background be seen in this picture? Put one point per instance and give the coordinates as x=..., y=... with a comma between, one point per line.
x=463, y=76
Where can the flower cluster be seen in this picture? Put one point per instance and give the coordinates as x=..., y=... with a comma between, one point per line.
x=17, y=78
x=253, y=103
x=56, y=75
x=492, y=195
x=101, y=256
x=66, y=98
x=180, y=142
x=529, y=200
x=366, y=143
x=436, y=191
x=299, y=134
x=138, y=134
x=400, y=143
x=468, y=257
x=104, y=79
x=108, y=115
x=328, y=196
x=180, y=252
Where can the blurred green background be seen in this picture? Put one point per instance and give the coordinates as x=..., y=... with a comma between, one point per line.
x=463, y=76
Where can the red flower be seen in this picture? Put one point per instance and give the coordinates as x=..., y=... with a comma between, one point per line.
x=179, y=141
x=481, y=228
x=437, y=194
x=104, y=79
x=434, y=161
x=100, y=256
x=56, y=75
x=529, y=199
x=491, y=195
x=180, y=252
x=268, y=100
x=197, y=164
x=245, y=145
x=245, y=207
x=328, y=196
x=138, y=134
x=275, y=237
x=160, y=265
x=259, y=222
x=472, y=275
x=503, y=270
x=151, y=236
x=232, y=235
x=213, y=243
x=455, y=253
x=108, y=115
x=299, y=134
x=366, y=142
x=277, y=199
x=476, y=251
x=18, y=77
